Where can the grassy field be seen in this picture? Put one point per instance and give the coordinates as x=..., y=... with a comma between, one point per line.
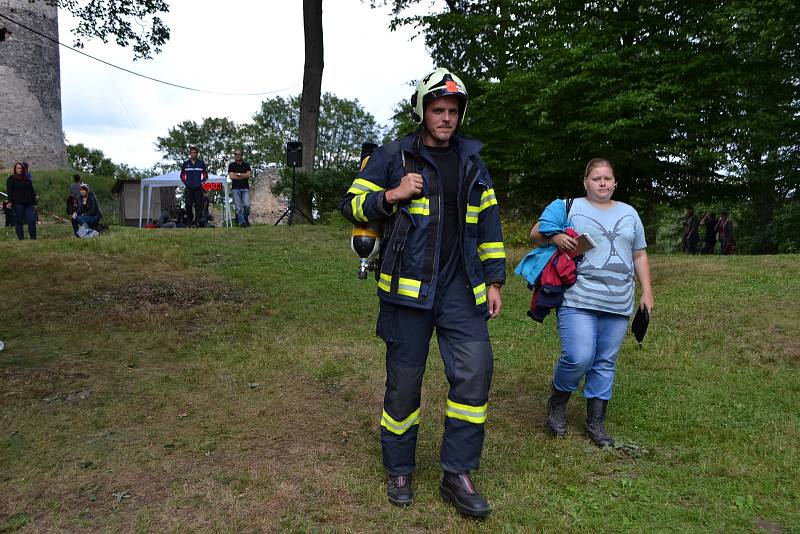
x=229, y=380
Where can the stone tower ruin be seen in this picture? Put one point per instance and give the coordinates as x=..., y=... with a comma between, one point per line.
x=30, y=87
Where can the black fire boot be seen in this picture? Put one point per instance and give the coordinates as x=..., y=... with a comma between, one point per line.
x=398, y=489
x=459, y=489
x=595, y=422
x=557, y=412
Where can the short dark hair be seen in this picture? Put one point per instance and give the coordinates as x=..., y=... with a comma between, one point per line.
x=76, y=177
x=193, y=148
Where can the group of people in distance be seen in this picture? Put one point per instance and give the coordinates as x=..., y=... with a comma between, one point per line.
x=442, y=266
x=21, y=205
x=194, y=173
x=83, y=209
x=714, y=230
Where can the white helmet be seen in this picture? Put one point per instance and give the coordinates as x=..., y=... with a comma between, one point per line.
x=440, y=82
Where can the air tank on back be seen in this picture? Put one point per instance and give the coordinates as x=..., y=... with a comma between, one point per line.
x=365, y=238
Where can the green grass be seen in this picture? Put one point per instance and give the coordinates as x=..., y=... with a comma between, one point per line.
x=230, y=380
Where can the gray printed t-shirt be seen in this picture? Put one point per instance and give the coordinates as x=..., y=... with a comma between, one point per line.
x=605, y=273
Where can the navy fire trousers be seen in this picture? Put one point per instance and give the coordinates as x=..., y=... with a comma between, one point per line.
x=463, y=339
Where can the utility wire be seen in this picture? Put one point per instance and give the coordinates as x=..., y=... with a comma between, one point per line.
x=56, y=41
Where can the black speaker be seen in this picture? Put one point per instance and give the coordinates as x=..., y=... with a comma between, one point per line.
x=294, y=154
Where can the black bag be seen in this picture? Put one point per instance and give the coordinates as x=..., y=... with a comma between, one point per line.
x=639, y=325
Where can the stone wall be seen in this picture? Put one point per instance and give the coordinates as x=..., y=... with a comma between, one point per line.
x=30, y=88
x=266, y=208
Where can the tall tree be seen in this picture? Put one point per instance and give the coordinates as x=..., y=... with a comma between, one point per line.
x=310, y=99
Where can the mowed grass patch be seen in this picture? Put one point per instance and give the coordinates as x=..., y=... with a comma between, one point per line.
x=231, y=380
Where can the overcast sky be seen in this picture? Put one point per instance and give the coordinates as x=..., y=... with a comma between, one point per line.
x=233, y=46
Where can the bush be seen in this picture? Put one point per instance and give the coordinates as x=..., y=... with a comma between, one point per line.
x=327, y=186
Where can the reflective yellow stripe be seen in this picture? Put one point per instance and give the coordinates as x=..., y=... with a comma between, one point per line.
x=409, y=287
x=491, y=250
x=480, y=293
x=472, y=214
x=488, y=199
x=400, y=427
x=357, y=207
x=420, y=206
x=405, y=286
x=465, y=412
x=385, y=282
x=361, y=186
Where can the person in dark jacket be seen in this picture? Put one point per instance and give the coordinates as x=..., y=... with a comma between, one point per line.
x=194, y=174
x=88, y=210
x=442, y=267
x=709, y=223
x=22, y=199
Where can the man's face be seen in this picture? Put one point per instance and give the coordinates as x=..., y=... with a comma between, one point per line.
x=237, y=155
x=441, y=121
x=193, y=154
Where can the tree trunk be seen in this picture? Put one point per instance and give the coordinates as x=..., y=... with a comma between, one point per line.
x=310, y=99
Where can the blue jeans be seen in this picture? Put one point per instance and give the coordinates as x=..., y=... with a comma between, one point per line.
x=590, y=342
x=241, y=198
x=25, y=213
x=88, y=220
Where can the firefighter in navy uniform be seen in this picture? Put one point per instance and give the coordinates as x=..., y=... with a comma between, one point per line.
x=442, y=266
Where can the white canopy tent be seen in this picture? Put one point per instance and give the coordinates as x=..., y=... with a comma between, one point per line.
x=173, y=178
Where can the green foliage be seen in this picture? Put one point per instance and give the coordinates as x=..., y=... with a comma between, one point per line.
x=89, y=160
x=402, y=123
x=343, y=126
x=128, y=22
x=327, y=186
x=690, y=103
x=785, y=227
x=94, y=161
x=214, y=137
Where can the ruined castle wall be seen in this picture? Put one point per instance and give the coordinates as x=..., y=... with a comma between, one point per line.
x=30, y=88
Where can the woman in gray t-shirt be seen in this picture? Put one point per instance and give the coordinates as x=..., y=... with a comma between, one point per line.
x=593, y=317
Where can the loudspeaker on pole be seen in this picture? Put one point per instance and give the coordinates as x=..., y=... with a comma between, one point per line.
x=294, y=154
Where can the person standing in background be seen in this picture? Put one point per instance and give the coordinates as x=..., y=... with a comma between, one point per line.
x=709, y=222
x=22, y=199
x=194, y=174
x=75, y=187
x=724, y=230
x=240, y=173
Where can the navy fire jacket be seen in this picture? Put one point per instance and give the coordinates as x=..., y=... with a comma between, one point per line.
x=416, y=262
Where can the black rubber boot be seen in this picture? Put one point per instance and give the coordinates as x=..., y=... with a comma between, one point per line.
x=557, y=412
x=459, y=489
x=398, y=489
x=595, y=422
